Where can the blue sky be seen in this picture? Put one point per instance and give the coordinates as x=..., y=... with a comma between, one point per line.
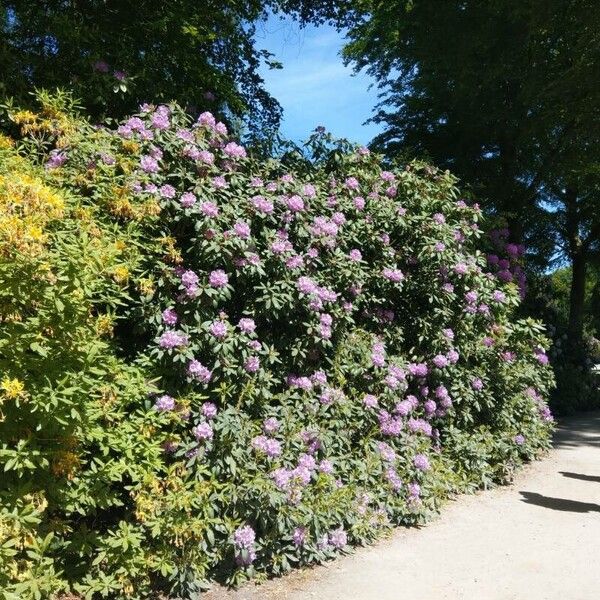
x=314, y=87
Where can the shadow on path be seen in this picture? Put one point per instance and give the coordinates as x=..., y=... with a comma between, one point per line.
x=577, y=431
x=581, y=476
x=559, y=503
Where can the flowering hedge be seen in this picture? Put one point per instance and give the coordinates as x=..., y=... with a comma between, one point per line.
x=218, y=367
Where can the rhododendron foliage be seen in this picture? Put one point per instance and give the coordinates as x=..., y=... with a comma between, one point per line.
x=326, y=352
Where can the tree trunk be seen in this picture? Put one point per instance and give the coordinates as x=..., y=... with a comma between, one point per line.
x=577, y=298
x=579, y=259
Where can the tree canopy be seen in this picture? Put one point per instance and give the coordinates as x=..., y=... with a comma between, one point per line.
x=115, y=54
x=504, y=93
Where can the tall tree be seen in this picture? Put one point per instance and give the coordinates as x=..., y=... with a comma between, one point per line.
x=116, y=54
x=505, y=93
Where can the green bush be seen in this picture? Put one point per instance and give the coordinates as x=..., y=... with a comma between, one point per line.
x=216, y=367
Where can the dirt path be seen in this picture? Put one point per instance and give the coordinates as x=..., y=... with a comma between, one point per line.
x=538, y=539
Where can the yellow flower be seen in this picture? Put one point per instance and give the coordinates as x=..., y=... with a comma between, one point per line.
x=23, y=116
x=146, y=286
x=12, y=388
x=35, y=233
x=104, y=325
x=121, y=274
x=5, y=142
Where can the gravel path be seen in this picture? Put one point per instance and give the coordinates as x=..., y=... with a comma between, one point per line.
x=538, y=539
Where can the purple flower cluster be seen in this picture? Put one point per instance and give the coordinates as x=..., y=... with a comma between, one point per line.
x=267, y=445
x=172, y=339
x=164, y=403
x=243, y=540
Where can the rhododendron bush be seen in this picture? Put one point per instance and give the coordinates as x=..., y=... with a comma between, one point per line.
x=217, y=367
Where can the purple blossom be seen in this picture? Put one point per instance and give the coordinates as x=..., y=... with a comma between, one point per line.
x=393, y=479
x=281, y=477
x=252, y=364
x=303, y=383
x=271, y=425
x=461, y=269
x=294, y=262
x=325, y=466
x=309, y=190
x=246, y=325
x=169, y=316
x=440, y=361
x=378, y=354
x=414, y=491
x=519, y=439
x=56, y=159
x=242, y=230
x=355, y=255
x=498, y=296
x=418, y=369
x=403, y=408
x=218, y=278
x=149, y=164
x=338, y=538
x=189, y=279
x=386, y=451
x=295, y=203
x=389, y=425
x=101, y=66
x=319, y=378
x=429, y=406
x=266, y=445
x=234, y=150
x=244, y=537
x=306, y=285
x=471, y=297
x=172, y=339
x=218, y=329
x=261, y=204
x=196, y=370
x=164, y=403
x=207, y=119
x=210, y=209
x=421, y=462
x=219, y=182
x=203, y=431
x=167, y=191
x=453, y=356
x=352, y=183
x=359, y=203
x=209, y=410
x=477, y=384
x=420, y=426
x=187, y=199
x=370, y=401
x=299, y=536
x=395, y=275
x=206, y=157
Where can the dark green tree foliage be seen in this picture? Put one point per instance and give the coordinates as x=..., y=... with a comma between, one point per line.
x=116, y=54
x=504, y=93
